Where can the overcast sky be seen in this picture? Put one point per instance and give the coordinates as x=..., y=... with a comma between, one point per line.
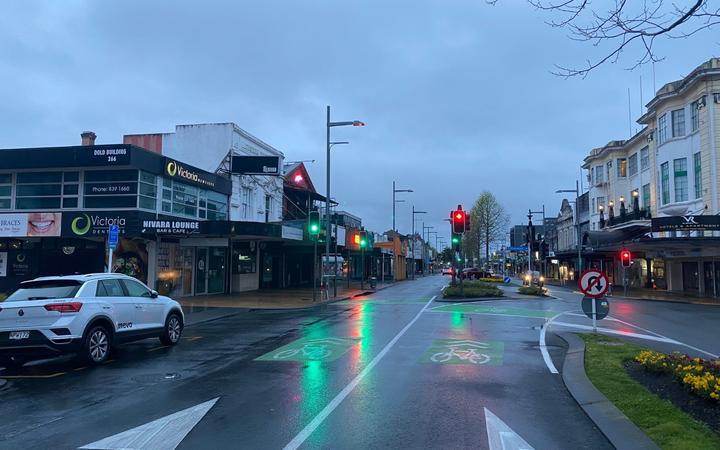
x=457, y=95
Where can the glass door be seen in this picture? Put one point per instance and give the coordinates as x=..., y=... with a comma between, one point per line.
x=201, y=271
x=216, y=271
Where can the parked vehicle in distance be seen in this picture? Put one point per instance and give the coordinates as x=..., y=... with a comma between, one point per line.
x=474, y=273
x=447, y=270
x=83, y=314
x=533, y=279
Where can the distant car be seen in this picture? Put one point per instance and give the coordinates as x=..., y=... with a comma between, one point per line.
x=474, y=273
x=447, y=270
x=83, y=314
x=533, y=278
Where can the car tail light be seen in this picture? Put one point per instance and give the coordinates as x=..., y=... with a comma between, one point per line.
x=71, y=307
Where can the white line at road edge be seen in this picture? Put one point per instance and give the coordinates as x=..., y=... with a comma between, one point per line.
x=335, y=402
x=543, y=347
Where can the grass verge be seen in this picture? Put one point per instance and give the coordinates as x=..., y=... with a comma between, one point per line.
x=473, y=289
x=532, y=290
x=668, y=426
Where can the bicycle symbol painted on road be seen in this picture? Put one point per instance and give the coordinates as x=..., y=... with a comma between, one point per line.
x=464, y=351
x=305, y=349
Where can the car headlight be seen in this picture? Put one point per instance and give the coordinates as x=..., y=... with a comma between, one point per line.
x=542, y=278
x=527, y=277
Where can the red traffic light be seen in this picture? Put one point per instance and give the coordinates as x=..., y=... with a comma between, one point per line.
x=625, y=257
x=458, y=220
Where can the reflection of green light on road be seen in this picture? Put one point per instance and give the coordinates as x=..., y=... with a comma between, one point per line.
x=487, y=309
x=457, y=319
x=313, y=395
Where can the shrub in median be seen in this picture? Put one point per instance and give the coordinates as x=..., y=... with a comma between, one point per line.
x=532, y=290
x=492, y=280
x=699, y=375
x=473, y=289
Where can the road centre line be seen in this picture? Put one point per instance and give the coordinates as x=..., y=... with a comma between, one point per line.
x=335, y=402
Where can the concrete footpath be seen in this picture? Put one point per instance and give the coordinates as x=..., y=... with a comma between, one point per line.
x=275, y=298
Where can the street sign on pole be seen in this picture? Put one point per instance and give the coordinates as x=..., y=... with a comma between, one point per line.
x=507, y=280
x=600, y=310
x=593, y=283
x=112, y=240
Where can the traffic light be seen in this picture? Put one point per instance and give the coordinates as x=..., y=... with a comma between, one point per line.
x=625, y=257
x=314, y=223
x=456, y=240
x=458, y=218
x=467, y=222
x=363, y=240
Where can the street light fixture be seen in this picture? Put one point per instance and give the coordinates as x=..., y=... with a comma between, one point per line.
x=397, y=201
x=328, y=125
x=413, y=238
x=577, y=221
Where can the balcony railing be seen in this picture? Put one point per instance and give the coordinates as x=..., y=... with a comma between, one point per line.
x=629, y=216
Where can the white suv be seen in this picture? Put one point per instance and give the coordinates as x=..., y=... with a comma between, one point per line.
x=83, y=314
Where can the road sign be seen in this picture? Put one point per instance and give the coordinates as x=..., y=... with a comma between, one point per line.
x=113, y=233
x=507, y=280
x=593, y=283
x=602, y=307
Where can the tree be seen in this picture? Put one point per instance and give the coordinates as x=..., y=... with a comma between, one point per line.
x=447, y=255
x=624, y=24
x=488, y=224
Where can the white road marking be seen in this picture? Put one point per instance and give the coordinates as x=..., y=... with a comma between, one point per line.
x=164, y=433
x=335, y=402
x=502, y=437
x=543, y=348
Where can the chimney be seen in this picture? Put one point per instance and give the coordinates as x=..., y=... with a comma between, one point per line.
x=88, y=138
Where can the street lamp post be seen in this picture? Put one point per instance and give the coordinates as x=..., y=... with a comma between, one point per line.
x=328, y=125
x=413, y=238
x=397, y=201
x=577, y=223
x=436, y=235
x=425, y=246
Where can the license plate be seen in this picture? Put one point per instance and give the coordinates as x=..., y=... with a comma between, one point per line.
x=17, y=335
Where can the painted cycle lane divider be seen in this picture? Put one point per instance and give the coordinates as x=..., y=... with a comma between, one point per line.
x=306, y=349
x=494, y=310
x=464, y=351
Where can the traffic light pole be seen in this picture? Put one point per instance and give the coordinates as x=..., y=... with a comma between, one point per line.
x=362, y=267
x=315, y=271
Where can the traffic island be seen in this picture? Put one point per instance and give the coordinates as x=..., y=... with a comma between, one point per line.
x=533, y=290
x=596, y=372
x=472, y=290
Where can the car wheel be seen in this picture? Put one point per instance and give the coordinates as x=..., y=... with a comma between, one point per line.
x=173, y=329
x=96, y=346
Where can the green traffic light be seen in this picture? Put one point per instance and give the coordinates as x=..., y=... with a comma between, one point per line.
x=455, y=240
x=314, y=227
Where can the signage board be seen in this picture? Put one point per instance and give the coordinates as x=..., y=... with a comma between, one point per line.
x=255, y=165
x=103, y=156
x=170, y=226
x=88, y=224
x=112, y=188
x=188, y=174
x=113, y=235
x=685, y=223
x=295, y=234
x=30, y=224
x=3, y=264
x=593, y=283
x=602, y=307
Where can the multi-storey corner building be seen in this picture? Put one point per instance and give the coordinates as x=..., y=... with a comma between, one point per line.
x=657, y=192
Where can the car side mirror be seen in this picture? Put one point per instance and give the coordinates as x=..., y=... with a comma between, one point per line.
x=154, y=294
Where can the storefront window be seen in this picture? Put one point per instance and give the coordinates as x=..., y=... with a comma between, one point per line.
x=174, y=269
x=243, y=258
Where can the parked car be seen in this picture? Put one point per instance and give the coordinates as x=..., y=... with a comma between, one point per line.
x=447, y=270
x=474, y=273
x=533, y=278
x=83, y=314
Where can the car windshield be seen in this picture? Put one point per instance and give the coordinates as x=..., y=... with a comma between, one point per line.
x=43, y=290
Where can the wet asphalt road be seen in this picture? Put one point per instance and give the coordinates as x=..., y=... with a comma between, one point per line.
x=416, y=374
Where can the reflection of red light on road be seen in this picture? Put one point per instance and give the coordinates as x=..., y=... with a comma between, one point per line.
x=623, y=308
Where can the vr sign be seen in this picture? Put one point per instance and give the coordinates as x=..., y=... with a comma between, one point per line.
x=255, y=165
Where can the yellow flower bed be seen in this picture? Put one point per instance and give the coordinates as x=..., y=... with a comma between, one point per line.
x=701, y=376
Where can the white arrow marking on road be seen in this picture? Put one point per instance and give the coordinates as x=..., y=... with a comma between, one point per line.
x=165, y=433
x=501, y=436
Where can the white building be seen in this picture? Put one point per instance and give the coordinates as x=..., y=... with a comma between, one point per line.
x=255, y=198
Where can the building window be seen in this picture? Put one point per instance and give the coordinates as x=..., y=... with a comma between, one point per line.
x=5, y=190
x=646, y=196
x=45, y=190
x=678, y=122
x=644, y=158
x=695, y=115
x=622, y=167
x=665, y=182
x=185, y=200
x=107, y=189
x=697, y=163
x=148, y=191
x=599, y=178
x=268, y=207
x=681, y=181
x=608, y=169
x=213, y=206
x=662, y=129
x=246, y=202
x=633, y=164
